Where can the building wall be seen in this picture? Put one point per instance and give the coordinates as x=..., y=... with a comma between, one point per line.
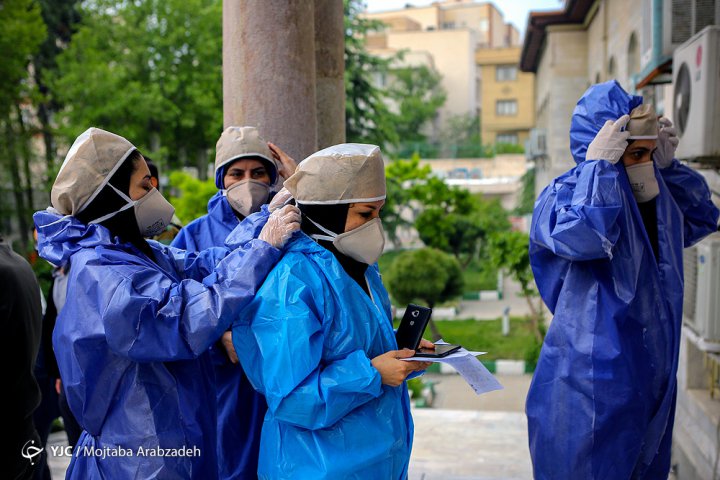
x=521, y=90
x=609, y=32
x=453, y=53
x=427, y=17
x=559, y=83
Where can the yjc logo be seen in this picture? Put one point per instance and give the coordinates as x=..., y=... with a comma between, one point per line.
x=30, y=451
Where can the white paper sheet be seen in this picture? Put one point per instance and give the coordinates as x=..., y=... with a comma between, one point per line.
x=470, y=369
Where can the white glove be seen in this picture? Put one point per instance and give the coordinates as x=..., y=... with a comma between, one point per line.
x=610, y=142
x=280, y=226
x=667, y=143
x=279, y=199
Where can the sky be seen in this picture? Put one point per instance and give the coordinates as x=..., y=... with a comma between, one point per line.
x=514, y=11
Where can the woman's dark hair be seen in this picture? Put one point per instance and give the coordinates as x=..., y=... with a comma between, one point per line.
x=123, y=224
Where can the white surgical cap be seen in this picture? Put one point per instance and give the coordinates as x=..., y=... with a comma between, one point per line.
x=345, y=173
x=92, y=159
x=236, y=143
x=643, y=123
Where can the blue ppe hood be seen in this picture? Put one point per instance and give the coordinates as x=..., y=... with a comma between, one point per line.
x=600, y=103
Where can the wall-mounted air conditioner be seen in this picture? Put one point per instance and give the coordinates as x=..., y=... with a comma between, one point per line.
x=696, y=105
x=536, y=144
x=673, y=24
x=701, y=307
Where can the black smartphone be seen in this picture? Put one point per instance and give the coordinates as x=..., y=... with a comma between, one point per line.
x=442, y=350
x=412, y=326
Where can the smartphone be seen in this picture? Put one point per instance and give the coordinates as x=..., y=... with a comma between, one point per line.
x=412, y=326
x=442, y=350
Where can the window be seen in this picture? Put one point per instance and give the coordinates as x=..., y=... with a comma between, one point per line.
x=484, y=25
x=510, y=138
x=633, y=58
x=611, y=67
x=506, y=107
x=505, y=73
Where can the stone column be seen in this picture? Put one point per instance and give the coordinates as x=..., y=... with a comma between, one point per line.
x=329, y=72
x=269, y=71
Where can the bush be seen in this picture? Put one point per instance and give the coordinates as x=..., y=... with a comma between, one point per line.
x=426, y=276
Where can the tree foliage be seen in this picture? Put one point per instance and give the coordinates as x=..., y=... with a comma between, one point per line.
x=418, y=94
x=149, y=70
x=426, y=276
x=384, y=116
x=509, y=251
x=456, y=221
x=194, y=195
x=21, y=33
x=401, y=176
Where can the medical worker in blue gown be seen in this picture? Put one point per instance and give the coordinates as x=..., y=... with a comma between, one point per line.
x=606, y=247
x=132, y=337
x=318, y=338
x=248, y=171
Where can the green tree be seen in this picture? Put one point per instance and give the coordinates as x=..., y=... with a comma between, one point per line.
x=21, y=32
x=193, y=195
x=367, y=117
x=384, y=116
x=401, y=176
x=149, y=70
x=509, y=251
x=418, y=94
x=456, y=221
x=527, y=194
x=426, y=276
x=61, y=18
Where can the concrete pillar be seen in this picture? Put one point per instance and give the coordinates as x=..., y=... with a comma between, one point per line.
x=269, y=71
x=329, y=72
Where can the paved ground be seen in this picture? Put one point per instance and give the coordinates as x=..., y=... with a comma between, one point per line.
x=464, y=437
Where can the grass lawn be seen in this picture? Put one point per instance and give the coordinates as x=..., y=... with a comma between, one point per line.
x=477, y=277
x=486, y=336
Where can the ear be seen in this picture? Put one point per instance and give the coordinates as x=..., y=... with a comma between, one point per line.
x=154, y=182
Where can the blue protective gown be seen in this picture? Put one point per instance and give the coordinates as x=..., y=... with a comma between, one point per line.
x=131, y=345
x=240, y=408
x=306, y=342
x=601, y=404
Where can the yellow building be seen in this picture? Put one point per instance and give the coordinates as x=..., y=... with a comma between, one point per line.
x=507, y=96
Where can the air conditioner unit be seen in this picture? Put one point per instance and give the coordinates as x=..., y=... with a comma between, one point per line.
x=696, y=105
x=536, y=144
x=671, y=25
x=701, y=308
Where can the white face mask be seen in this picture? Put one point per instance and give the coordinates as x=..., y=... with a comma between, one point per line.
x=247, y=196
x=152, y=212
x=643, y=183
x=364, y=244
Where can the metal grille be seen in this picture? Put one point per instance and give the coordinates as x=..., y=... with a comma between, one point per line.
x=704, y=14
x=681, y=20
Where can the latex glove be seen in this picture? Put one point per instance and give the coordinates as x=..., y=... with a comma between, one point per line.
x=610, y=142
x=279, y=199
x=667, y=143
x=280, y=226
x=287, y=164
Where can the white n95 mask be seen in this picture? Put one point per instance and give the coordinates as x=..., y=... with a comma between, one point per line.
x=364, y=244
x=247, y=196
x=152, y=212
x=643, y=183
